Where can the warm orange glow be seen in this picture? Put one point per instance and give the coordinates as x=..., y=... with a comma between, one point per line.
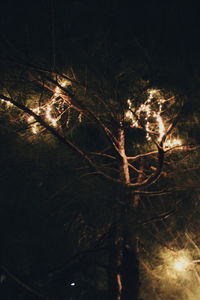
x=173, y=142
x=50, y=111
x=181, y=264
x=7, y=103
x=64, y=82
x=151, y=114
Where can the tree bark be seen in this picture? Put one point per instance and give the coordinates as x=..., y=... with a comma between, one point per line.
x=130, y=274
x=124, y=262
x=114, y=279
x=123, y=269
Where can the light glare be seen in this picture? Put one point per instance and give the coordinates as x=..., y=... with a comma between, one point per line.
x=181, y=264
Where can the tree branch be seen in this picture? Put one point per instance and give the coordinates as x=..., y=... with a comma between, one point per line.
x=154, y=193
x=153, y=178
x=141, y=155
x=59, y=137
x=79, y=105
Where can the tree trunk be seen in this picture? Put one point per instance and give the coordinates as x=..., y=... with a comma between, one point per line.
x=130, y=260
x=123, y=258
x=114, y=280
x=124, y=263
x=123, y=272
x=130, y=272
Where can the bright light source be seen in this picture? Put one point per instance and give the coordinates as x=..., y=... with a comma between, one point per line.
x=174, y=142
x=151, y=115
x=72, y=284
x=181, y=264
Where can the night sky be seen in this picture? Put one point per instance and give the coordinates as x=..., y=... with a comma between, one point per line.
x=165, y=32
x=161, y=26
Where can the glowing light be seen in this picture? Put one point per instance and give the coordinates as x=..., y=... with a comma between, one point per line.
x=129, y=115
x=57, y=92
x=175, y=273
x=173, y=142
x=161, y=127
x=176, y=263
x=34, y=128
x=72, y=284
x=152, y=93
x=55, y=107
x=49, y=117
x=147, y=112
x=181, y=264
x=31, y=120
x=129, y=103
x=64, y=82
x=150, y=113
x=80, y=117
x=8, y=104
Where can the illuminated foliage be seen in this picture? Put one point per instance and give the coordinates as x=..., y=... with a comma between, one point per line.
x=151, y=116
x=175, y=272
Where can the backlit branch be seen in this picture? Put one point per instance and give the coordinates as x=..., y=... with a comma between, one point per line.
x=156, y=193
x=160, y=217
x=136, y=170
x=103, y=155
x=153, y=178
x=79, y=83
x=133, y=158
x=59, y=137
x=79, y=105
